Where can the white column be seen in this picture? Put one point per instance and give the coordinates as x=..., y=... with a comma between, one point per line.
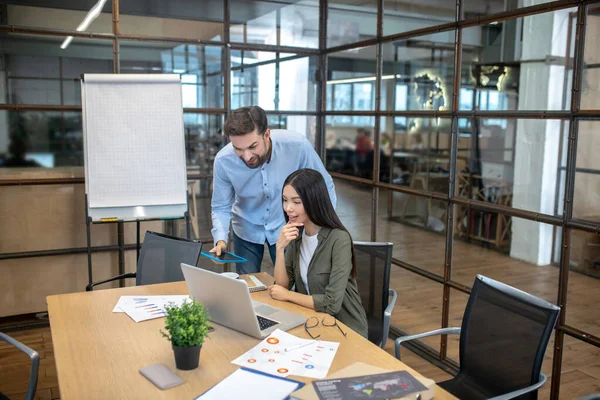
x=537, y=141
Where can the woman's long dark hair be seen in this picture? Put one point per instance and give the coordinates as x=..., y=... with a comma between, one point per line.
x=310, y=186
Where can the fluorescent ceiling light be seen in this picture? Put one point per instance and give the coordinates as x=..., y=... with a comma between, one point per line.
x=66, y=42
x=91, y=15
x=363, y=79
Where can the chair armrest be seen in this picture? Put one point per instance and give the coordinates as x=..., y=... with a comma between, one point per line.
x=387, y=317
x=517, y=393
x=35, y=363
x=25, y=349
x=90, y=286
x=443, y=331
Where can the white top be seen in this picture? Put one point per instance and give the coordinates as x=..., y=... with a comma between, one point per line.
x=307, y=249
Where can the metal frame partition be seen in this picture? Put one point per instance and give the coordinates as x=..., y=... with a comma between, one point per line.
x=574, y=114
x=566, y=221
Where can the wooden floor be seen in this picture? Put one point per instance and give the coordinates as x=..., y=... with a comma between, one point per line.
x=419, y=302
x=15, y=366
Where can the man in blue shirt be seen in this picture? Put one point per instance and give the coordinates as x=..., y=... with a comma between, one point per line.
x=248, y=175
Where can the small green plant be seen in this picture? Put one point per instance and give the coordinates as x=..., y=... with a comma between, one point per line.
x=187, y=325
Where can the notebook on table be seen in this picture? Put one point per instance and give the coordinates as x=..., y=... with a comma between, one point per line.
x=258, y=285
x=359, y=369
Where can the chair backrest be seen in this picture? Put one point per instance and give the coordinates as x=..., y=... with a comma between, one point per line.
x=504, y=336
x=161, y=256
x=373, y=263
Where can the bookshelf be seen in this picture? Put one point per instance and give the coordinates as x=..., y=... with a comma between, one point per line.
x=483, y=226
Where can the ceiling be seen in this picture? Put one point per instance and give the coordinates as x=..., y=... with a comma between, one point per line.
x=430, y=7
x=204, y=10
x=246, y=10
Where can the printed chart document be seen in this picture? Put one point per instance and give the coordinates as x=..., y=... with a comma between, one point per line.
x=251, y=385
x=143, y=308
x=282, y=354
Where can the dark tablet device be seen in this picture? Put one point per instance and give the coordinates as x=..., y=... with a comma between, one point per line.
x=225, y=257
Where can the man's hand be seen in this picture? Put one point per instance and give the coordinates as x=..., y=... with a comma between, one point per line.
x=279, y=292
x=288, y=233
x=219, y=248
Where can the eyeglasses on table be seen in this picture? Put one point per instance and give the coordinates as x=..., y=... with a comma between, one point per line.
x=327, y=321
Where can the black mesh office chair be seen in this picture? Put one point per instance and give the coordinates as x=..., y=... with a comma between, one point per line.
x=160, y=260
x=373, y=263
x=35, y=365
x=503, y=338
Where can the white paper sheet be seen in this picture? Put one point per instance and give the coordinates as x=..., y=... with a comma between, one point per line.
x=135, y=154
x=143, y=308
x=282, y=354
x=249, y=385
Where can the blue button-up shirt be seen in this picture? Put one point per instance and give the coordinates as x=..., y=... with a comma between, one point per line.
x=251, y=198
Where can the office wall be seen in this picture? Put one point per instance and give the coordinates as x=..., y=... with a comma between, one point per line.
x=50, y=217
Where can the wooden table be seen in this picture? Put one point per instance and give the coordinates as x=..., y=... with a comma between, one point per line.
x=98, y=353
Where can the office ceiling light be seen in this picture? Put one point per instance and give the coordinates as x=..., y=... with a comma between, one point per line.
x=363, y=79
x=91, y=15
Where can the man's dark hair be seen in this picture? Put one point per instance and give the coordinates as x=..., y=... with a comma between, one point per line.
x=245, y=120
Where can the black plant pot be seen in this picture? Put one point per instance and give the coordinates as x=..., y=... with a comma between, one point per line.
x=187, y=358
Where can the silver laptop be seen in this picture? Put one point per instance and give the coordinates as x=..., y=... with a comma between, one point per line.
x=229, y=304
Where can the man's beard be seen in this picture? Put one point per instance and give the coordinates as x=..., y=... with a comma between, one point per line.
x=260, y=159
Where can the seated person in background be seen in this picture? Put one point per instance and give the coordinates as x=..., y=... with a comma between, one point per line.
x=17, y=149
x=364, y=153
x=320, y=256
x=363, y=142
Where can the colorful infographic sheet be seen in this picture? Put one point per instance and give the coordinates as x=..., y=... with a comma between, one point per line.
x=282, y=354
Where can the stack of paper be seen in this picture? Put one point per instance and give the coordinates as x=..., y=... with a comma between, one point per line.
x=142, y=308
x=282, y=354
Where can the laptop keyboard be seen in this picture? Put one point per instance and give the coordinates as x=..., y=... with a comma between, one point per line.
x=265, y=323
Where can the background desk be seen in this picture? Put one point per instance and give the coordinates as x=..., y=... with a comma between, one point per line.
x=98, y=353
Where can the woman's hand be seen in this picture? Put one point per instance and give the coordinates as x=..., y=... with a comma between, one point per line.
x=288, y=233
x=279, y=292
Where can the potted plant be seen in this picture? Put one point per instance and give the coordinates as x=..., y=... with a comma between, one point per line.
x=187, y=325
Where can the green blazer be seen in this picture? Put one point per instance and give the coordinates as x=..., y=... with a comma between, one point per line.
x=332, y=287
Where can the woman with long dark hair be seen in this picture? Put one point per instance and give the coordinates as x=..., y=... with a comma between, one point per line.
x=320, y=256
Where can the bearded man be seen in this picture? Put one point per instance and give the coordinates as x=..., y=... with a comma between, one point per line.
x=248, y=176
